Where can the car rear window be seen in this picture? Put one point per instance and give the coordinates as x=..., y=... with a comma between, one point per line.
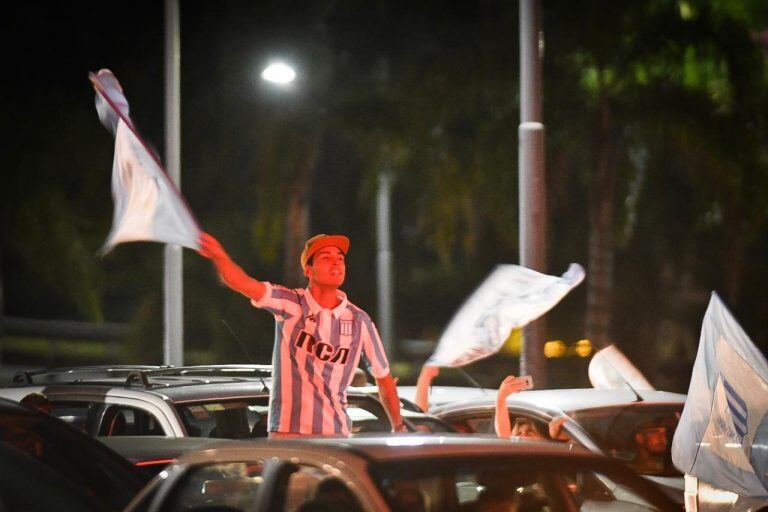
x=232, y=419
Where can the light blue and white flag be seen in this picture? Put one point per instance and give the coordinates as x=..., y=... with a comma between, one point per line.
x=148, y=206
x=722, y=437
x=510, y=298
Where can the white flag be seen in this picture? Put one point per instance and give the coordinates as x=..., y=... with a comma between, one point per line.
x=148, y=206
x=610, y=369
x=722, y=437
x=510, y=297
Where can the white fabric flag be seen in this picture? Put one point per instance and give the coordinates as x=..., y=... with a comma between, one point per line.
x=722, y=437
x=148, y=206
x=610, y=369
x=510, y=297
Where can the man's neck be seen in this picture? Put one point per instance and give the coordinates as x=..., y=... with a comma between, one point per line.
x=326, y=297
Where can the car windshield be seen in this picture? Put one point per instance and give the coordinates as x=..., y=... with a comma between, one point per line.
x=225, y=419
x=639, y=434
x=496, y=483
x=243, y=418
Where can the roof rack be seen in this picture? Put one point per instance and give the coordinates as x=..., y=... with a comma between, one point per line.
x=140, y=374
x=59, y=374
x=223, y=370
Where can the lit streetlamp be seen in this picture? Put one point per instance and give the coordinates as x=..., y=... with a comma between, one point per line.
x=279, y=73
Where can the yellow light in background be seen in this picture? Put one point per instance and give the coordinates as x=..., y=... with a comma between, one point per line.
x=583, y=348
x=513, y=343
x=554, y=348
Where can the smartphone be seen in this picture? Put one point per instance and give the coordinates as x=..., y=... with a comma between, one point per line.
x=527, y=382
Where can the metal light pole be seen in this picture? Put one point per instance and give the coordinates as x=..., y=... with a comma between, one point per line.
x=532, y=184
x=173, y=339
x=384, y=262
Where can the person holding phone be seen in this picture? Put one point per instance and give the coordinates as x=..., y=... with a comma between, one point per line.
x=523, y=427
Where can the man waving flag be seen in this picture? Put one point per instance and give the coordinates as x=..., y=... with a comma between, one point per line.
x=148, y=206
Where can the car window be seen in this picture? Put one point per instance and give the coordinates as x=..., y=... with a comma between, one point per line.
x=489, y=484
x=234, y=419
x=481, y=425
x=119, y=420
x=311, y=488
x=74, y=413
x=638, y=434
x=224, y=486
x=470, y=488
x=598, y=491
x=363, y=420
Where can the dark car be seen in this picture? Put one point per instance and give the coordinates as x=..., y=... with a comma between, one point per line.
x=398, y=473
x=151, y=454
x=44, y=460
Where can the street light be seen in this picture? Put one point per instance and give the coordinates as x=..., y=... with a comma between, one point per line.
x=279, y=73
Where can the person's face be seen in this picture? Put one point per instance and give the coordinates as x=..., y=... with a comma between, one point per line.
x=328, y=267
x=655, y=439
x=524, y=428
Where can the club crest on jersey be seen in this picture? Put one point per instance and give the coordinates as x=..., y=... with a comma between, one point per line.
x=346, y=327
x=321, y=350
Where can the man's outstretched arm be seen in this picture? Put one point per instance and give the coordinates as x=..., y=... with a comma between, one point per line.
x=229, y=272
x=391, y=402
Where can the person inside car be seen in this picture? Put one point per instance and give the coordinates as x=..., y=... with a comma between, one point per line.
x=651, y=445
x=523, y=427
x=319, y=341
x=38, y=401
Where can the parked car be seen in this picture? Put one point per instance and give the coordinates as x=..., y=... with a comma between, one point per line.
x=223, y=401
x=397, y=473
x=604, y=421
x=152, y=454
x=49, y=465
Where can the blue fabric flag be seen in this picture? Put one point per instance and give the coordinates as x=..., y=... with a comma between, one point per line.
x=722, y=435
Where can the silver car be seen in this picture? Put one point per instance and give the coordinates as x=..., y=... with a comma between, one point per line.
x=219, y=401
x=406, y=473
x=634, y=427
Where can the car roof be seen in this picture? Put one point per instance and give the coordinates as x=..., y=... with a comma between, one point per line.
x=387, y=447
x=439, y=395
x=178, y=384
x=558, y=400
x=139, y=448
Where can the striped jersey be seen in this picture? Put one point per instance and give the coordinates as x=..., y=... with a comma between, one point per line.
x=314, y=359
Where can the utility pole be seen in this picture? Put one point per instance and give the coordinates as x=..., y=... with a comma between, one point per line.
x=532, y=178
x=384, y=261
x=173, y=283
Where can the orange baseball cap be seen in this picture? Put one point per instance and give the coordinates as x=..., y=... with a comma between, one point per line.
x=318, y=242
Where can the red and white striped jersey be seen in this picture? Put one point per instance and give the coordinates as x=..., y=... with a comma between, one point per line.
x=314, y=359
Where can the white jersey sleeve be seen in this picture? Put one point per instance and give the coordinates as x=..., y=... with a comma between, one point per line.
x=374, y=349
x=276, y=299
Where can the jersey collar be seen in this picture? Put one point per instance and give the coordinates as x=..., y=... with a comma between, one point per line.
x=316, y=308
